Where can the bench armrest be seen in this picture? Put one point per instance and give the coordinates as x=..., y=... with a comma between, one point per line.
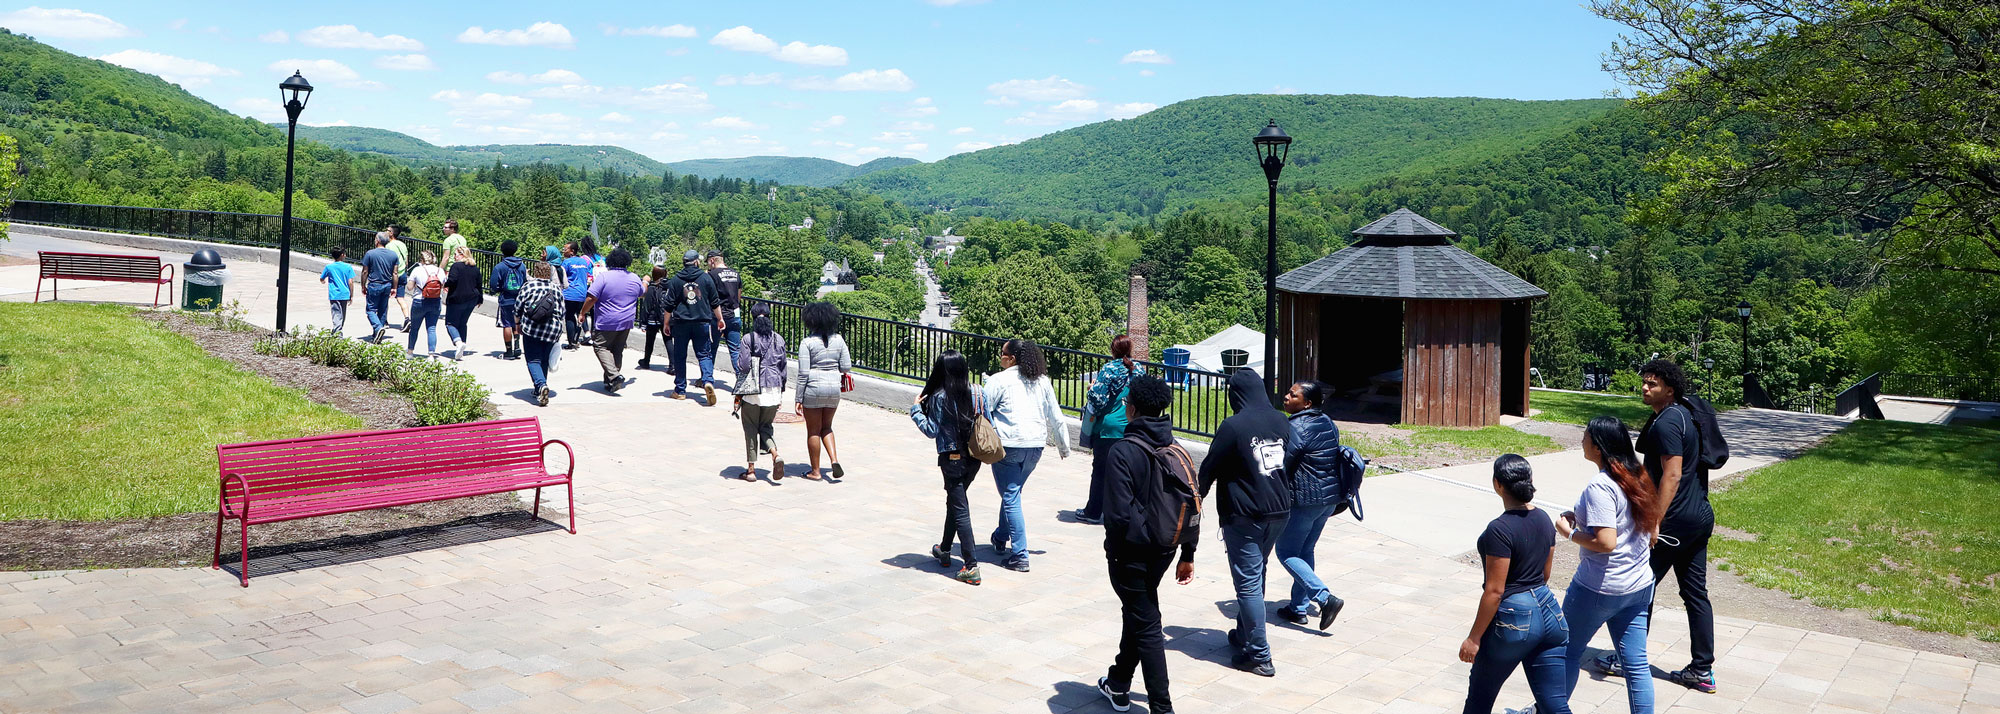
x=572, y=457
x=168, y=269
x=222, y=496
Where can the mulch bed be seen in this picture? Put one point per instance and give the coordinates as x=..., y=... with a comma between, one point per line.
x=183, y=539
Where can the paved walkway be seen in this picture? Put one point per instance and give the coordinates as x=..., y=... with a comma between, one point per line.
x=686, y=591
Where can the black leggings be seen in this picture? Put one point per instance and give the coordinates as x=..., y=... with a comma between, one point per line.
x=958, y=476
x=573, y=318
x=653, y=331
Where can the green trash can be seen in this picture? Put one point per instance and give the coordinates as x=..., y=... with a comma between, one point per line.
x=201, y=280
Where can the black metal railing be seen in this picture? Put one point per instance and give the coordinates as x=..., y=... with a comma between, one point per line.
x=1941, y=386
x=906, y=350
x=1859, y=398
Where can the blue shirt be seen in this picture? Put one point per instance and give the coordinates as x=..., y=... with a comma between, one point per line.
x=338, y=276
x=576, y=270
x=381, y=266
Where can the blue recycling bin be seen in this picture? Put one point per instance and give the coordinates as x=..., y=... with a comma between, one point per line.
x=1176, y=357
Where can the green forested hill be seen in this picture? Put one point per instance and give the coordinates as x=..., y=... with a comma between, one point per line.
x=403, y=147
x=788, y=170
x=43, y=89
x=1200, y=149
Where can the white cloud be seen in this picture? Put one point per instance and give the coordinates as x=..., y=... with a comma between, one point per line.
x=349, y=37
x=1146, y=73
x=554, y=76
x=411, y=63
x=816, y=55
x=748, y=80
x=615, y=117
x=652, y=31
x=1146, y=57
x=276, y=37
x=262, y=109
x=1129, y=109
x=540, y=34
x=64, y=23
x=323, y=71
x=485, y=105
x=892, y=137
x=965, y=146
x=962, y=130
x=179, y=70
x=1081, y=107
x=666, y=135
x=914, y=126
x=1284, y=90
x=870, y=151
x=337, y=122
x=743, y=39
x=867, y=80
x=670, y=97
x=728, y=123
x=919, y=107
x=918, y=147
x=1051, y=89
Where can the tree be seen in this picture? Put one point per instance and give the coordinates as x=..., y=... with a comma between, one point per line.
x=548, y=202
x=1213, y=276
x=1879, y=111
x=218, y=164
x=10, y=156
x=628, y=220
x=1029, y=296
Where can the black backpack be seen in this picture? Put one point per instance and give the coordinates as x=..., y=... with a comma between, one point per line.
x=1714, y=449
x=543, y=309
x=1352, y=469
x=1173, y=504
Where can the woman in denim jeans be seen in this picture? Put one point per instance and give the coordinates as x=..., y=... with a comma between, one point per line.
x=1312, y=459
x=1519, y=621
x=1613, y=524
x=945, y=412
x=1024, y=412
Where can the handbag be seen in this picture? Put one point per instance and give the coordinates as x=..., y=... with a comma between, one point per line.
x=1086, y=436
x=846, y=382
x=985, y=442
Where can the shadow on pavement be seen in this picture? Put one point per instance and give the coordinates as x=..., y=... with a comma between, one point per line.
x=294, y=557
x=735, y=473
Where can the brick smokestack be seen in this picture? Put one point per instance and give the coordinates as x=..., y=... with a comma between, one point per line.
x=1135, y=318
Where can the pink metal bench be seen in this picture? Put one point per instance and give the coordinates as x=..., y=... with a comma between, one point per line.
x=107, y=267
x=289, y=479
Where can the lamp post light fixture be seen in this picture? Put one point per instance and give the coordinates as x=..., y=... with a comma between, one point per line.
x=1273, y=147
x=295, y=91
x=1743, y=314
x=1708, y=368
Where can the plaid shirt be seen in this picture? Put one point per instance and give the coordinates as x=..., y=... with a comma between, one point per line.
x=549, y=331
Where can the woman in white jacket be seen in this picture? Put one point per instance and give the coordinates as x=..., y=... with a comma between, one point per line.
x=1023, y=409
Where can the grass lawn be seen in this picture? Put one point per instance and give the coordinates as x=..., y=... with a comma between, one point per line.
x=105, y=416
x=1455, y=445
x=1575, y=408
x=1899, y=519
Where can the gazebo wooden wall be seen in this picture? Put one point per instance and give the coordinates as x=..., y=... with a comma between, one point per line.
x=1451, y=362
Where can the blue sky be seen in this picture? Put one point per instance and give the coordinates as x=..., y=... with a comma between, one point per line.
x=847, y=81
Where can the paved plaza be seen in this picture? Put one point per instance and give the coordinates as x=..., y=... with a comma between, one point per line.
x=686, y=590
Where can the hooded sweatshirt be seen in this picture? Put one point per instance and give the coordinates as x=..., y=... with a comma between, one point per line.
x=509, y=266
x=1248, y=455
x=691, y=296
x=1127, y=467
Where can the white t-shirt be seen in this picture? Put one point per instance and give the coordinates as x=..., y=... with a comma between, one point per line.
x=424, y=274
x=1624, y=570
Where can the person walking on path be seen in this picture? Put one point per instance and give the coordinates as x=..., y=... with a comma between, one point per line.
x=506, y=282
x=378, y=282
x=576, y=286
x=403, y=268
x=1024, y=412
x=1151, y=512
x=1313, y=461
x=652, y=316
x=729, y=291
x=823, y=368
x=1613, y=525
x=694, y=312
x=426, y=286
x=462, y=293
x=540, y=337
x=1106, y=404
x=339, y=279
x=764, y=352
x=1519, y=622
x=1671, y=446
x=453, y=240
x=1247, y=458
x=613, y=302
x=945, y=411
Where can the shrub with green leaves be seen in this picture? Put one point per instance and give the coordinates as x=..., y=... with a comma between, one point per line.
x=443, y=394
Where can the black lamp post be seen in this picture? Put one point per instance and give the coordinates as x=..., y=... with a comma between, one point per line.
x=295, y=91
x=1273, y=147
x=1708, y=370
x=1743, y=314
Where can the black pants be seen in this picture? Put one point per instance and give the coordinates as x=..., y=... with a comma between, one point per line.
x=1689, y=561
x=653, y=331
x=1142, y=644
x=573, y=318
x=958, y=476
x=1094, y=508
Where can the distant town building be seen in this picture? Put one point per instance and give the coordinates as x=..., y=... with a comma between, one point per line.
x=806, y=226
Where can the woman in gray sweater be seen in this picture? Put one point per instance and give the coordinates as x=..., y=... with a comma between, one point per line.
x=823, y=365
x=764, y=352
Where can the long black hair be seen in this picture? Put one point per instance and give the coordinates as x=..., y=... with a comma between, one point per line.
x=1614, y=443
x=822, y=320
x=950, y=375
x=1028, y=359
x=760, y=319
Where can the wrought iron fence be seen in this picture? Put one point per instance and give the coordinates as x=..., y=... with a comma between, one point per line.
x=905, y=350
x=1941, y=386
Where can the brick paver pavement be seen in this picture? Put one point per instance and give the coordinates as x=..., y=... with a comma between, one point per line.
x=687, y=591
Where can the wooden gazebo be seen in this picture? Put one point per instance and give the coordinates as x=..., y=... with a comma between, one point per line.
x=1403, y=298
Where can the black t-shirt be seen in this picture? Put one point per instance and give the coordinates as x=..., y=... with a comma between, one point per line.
x=729, y=286
x=1668, y=433
x=1525, y=537
x=461, y=285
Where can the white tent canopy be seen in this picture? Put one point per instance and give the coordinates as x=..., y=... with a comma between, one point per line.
x=1207, y=354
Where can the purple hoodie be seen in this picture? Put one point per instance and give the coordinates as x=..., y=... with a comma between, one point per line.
x=772, y=361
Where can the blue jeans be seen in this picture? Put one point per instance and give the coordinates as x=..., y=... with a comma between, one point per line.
x=1010, y=474
x=377, y=306
x=1295, y=552
x=1627, y=615
x=1249, y=543
x=1527, y=630
x=424, y=318
x=689, y=331
x=731, y=335
x=538, y=353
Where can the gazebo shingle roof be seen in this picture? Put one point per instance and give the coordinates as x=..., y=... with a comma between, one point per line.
x=1385, y=264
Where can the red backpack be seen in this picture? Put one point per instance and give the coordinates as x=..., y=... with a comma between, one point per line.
x=433, y=288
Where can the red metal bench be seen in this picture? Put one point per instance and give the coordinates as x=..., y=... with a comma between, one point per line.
x=289, y=479
x=107, y=267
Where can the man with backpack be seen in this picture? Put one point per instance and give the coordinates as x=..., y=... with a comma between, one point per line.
x=1151, y=512
x=1247, y=458
x=1680, y=444
x=509, y=277
x=538, y=312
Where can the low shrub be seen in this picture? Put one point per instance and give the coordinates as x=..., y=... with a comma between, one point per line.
x=443, y=394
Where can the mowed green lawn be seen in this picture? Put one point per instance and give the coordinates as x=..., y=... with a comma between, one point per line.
x=105, y=416
x=1899, y=519
x=1580, y=408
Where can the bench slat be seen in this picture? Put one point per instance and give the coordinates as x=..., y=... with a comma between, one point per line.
x=331, y=509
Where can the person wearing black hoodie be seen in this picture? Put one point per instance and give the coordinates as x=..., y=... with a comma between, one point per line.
x=694, y=310
x=1130, y=469
x=1247, y=458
